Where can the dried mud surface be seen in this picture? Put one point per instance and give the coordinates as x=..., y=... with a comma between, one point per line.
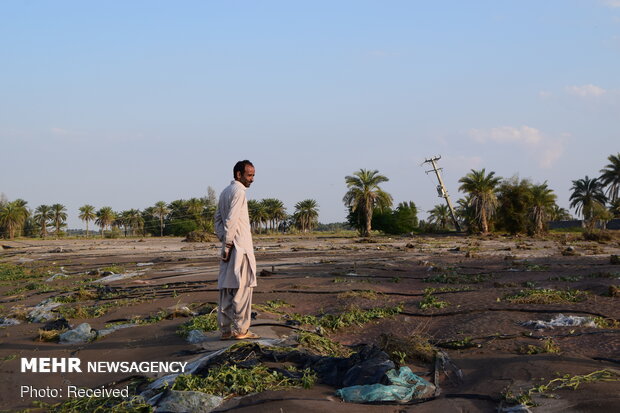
x=314, y=275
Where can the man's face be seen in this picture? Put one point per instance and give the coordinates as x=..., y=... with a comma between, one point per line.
x=247, y=177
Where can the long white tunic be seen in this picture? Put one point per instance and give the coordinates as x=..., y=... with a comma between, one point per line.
x=232, y=225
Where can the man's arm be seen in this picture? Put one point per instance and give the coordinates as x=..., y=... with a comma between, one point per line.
x=219, y=225
x=231, y=221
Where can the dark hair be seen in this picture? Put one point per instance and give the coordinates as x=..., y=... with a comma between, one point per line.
x=240, y=167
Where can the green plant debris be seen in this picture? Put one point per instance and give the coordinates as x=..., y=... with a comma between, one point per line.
x=430, y=301
x=152, y=318
x=604, y=274
x=567, y=381
x=368, y=294
x=450, y=289
x=322, y=345
x=271, y=306
x=205, y=322
x=546, y=296
x=462, y=344
x=603, y=322
x=452, y=277
x=12, y=272
x=352, y=316
x=339, y=280
x=548, y=346
x=97, y=310
x=81, y=294
x=416, y=347
x=116, y=269
x=9, y=357
x=568, y=278
x=400, y=357
x=231, y=380
x=50, y=335
x=534, y=267
x=33, y=286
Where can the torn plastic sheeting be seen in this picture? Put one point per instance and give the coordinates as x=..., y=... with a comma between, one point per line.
x=8, y=322
x=106, y=331
x=561, y=321
x=405, y=385
x=56, y=276
x=116, y=277
x=43, y=311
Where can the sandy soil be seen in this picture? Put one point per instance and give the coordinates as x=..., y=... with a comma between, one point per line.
x=313, y=275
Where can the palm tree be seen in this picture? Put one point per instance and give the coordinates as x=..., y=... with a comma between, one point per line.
x=274, y=208
x=23, y=206
x=610, y=176
x=161, y=210
x=42, y=215
x=306, y=214
x=135, y=220
x=543, y=202
x=364, y=195
x=481, y=188
x=258, y=214
x=465, y=213
x=560, y=214
x=587, y=195
x=122, y=220
x=440, y=215
x=12, y=216
x=59, y=216
x=614, y=208
x=105, y=218
x=87, y=214
x=195, y=207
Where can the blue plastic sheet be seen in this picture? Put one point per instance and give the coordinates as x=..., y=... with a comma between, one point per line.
x=404, y=386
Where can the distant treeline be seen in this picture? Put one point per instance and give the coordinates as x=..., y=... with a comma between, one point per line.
x=490, y=203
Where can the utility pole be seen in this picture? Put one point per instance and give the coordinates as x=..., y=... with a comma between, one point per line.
x=441, y=189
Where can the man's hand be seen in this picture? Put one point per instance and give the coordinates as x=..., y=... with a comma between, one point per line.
x=226, y=252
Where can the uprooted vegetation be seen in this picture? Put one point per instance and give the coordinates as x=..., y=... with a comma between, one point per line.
x=453, y=277
x=567, y=381
x=322, y=345
x=9, y=273
x=204, y=322
x=546, y=296
x=548, y=346
x=230, y=380
x=351, y=316
x=413, y=348
x=431, y=301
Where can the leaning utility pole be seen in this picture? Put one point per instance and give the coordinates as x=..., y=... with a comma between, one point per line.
x=441, y=189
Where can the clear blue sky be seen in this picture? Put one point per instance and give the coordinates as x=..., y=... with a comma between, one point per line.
x=125, y=103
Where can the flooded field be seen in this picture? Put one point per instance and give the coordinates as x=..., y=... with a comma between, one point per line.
x=489, y=321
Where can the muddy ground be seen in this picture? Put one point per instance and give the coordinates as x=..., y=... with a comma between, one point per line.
x=479, y=327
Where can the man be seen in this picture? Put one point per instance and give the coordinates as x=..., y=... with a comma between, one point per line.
x=237, y=277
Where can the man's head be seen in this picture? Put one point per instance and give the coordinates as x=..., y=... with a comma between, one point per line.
x=244, y=172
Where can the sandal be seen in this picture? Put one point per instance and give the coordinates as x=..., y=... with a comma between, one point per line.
x=226, y=336
x=248, y=335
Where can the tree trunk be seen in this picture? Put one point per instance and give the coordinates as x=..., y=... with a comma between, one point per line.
x=368, y=222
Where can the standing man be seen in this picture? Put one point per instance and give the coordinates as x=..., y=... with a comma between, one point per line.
x=237, y=277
